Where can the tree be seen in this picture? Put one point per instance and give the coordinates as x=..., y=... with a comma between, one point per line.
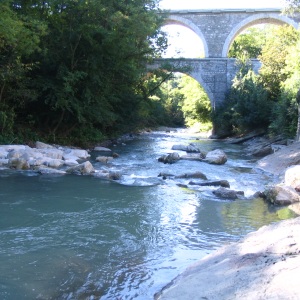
x=292, y=6
x=93, y=59
x=19, y=40
x=196, y=105
x=248, y=43
x=278, y=42
x=286, y=117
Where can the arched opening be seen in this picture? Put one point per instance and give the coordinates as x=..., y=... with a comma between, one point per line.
x=183, y=42
x=185, y=103
x=255, y=21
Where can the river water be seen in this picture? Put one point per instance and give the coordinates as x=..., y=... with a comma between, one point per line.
x=81, y=237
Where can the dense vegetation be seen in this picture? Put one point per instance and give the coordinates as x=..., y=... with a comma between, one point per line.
x=266, y=100
x=73, y=71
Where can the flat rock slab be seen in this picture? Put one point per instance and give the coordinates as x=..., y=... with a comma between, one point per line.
x=264, y=265
x=279, y=161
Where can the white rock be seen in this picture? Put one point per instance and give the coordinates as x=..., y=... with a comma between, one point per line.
x=104, y=159
x=102, y=149
x=50, y=171
x=84, y=168
x=40, y=145
x=217, y=157
x=79, y=153
x=292, y=176
x=70, y=163
x=52, y=153
x=3, y=161
x=3, y=152
x=53, y=163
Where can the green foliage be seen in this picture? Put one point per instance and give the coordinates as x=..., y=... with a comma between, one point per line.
x=249, y=43
x=75, y=67
x=246, y=107
x=285, y=111
x=196, y=105
x=180, y=100
x=279, y=40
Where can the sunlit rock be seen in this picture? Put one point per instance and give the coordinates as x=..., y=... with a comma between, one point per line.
x=49, y=171
x=18, y=163
x=52, y=153
x=292, y=176
x=193, y=156
x=83, y=169
x=282, y=195
x=102, y=149
x=216, y=157
x=41, y=145
x=170, y=158
x=79, y=153
x=104, y=159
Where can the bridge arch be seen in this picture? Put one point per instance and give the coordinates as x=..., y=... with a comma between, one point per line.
x=255, y=20
x=177, y=20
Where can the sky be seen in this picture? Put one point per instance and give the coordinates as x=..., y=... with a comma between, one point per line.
x=184, y=42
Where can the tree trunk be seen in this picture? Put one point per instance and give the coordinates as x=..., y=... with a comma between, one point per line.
x=298, y=124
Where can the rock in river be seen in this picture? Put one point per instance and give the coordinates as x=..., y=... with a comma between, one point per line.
x=216, y=157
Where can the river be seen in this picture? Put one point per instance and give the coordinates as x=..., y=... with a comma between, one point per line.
x=81, y=237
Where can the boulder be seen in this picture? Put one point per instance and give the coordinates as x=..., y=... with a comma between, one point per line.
x=3, y=153
x=18, y=163
x=49, y=171
x=41, y=145
x=102, y=149
x=15, y=153
x=104, y=159
x=192, y=175
x=193, y=156
x=83, y=169
x=191, y=148
x=71, y=162
x=4, y=161
x=53, y=163
x=14, y=147
x=263, y=151
x=179, y=147
x=170, y=158
x=52, y=153
x=79, y=153
x=292, y=176
x=112, y=175
x=228, y=194
x=222, y=183
x=282, y=195
x=216, y=157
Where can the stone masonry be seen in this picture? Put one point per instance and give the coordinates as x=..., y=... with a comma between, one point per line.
x=217, y=30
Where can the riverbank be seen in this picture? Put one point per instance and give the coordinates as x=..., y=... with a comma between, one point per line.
x=263, y=265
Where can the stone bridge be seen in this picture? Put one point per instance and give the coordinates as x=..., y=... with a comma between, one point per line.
x=217, y=30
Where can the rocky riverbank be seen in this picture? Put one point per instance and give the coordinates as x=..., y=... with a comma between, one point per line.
x=263, y=265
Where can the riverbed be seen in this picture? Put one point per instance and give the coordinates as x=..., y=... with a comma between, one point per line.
x=82, y=237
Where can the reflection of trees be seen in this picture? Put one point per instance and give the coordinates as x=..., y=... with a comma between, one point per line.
x=240, y=217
